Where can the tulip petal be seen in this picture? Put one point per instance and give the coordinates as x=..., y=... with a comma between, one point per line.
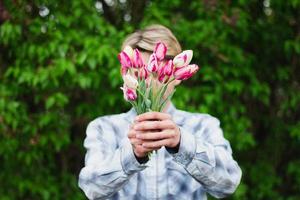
x=186, y=72
x=137, y=59
x=130, y=81
x=129, y=94
x=123, y=70
x=183, y=59
x=160, y=50
x=124, y=60
x=194, y=68
x=129, y=51
x=168, y=68
x=152, y=64
x=161, y=78
x=143, y=73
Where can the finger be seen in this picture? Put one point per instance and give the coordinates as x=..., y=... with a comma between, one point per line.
x=131, y=133
x=136, y=142
x=150, y=125
x=152, y=115
x=155, y=135
x=134, y=133
x=156, y=144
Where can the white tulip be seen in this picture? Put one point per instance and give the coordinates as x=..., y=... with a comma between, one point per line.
x=183, y=59
x=130, y=81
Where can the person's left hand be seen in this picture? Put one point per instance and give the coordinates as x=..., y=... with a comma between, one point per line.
x=157, y=129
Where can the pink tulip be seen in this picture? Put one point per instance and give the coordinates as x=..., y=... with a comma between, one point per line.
x=160, y=69
x=161, y=74
x=152, y=64
x=168, y=68
x=183, y=59
x=129, y=94
x=160, y=51
x=143, y=73
x=137, y=59
x=125, y=62
x=124, y=59
x=165, y=70
x=186, y=72
x=129, y=51
x=161, y=78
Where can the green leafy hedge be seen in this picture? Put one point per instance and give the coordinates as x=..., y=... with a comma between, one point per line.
x=58, y=71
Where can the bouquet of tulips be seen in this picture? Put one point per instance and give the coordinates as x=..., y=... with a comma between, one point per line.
x=145, y=85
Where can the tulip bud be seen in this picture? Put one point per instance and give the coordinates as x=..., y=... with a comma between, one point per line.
x=152, y=64
x=168, y=68
x=194, y=68
x=160, y=51
x=129, y=51
x=130, y=81
x=143, y=73
x=125, y=62
x=137, y=59
x=161, y=78
x=161, y=74
x=183, y=59
x=186, y=72
x=129, y=94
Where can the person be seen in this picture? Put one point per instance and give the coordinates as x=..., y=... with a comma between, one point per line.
x=192, y=158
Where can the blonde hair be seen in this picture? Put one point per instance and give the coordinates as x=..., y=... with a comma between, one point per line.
x=146, y=39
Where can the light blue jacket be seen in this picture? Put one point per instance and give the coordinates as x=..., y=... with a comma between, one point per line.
x=203, y=164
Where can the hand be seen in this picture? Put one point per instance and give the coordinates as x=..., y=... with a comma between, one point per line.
x=155, y=130
x=139, y=150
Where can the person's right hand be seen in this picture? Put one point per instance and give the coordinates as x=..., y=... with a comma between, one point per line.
x=136, y=143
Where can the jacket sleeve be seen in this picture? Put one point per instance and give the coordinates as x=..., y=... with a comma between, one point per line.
x=207, y=157
x=107, y=167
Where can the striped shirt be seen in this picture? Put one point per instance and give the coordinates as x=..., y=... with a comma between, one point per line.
x=203, y=163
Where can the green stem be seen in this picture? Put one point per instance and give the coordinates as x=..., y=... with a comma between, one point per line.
x=141, y=93
x=161, y=93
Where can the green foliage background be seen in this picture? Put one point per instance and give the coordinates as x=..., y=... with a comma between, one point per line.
x=60, y=71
